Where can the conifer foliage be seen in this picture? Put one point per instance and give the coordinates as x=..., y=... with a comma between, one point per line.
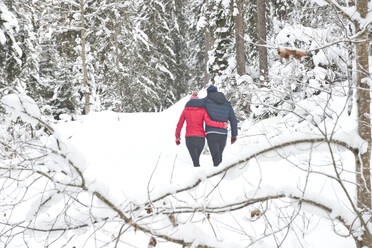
x=158, y=63
x=10, y=52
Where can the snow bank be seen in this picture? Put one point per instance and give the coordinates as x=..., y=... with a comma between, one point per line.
x=21, y=106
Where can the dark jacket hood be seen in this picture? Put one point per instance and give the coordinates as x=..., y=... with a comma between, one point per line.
x=217, y=97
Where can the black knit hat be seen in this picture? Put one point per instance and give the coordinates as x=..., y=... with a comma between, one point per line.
x=212, y=88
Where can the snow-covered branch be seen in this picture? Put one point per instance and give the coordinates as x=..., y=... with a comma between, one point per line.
x=256, y=154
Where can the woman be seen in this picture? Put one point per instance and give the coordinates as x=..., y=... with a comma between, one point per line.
x=194, y=114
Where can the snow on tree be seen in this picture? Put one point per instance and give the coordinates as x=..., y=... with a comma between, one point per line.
x=10, y=52
x=158, y=63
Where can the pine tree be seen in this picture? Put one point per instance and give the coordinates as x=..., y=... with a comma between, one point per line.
x=112, y=42
x=10, y=52
x=80, y=58
x=199, y=44
x=157, y=65
x=221, y=61
x=59, y=70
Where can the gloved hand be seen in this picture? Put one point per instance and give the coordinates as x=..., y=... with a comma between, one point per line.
x=225, y=124
x=178, y=141
x=233, y=139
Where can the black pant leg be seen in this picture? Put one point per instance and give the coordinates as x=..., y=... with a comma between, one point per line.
x=216, y=144
x=213, y=147
x=195, y=145
x=199, y=146
x=222, y=144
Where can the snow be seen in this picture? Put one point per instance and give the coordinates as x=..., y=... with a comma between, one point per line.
x=9, y=22
x=202, y=23
x=164, y=69
x=17, y=49
x=132, y=157
x=350, y=11
x=320, y=2
x=133, y=161
x=320, y=59
x=8, y=17
x=22, y=106
x=142, y=37
x=2, y=37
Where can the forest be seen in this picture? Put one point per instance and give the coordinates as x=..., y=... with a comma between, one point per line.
x=84, y=84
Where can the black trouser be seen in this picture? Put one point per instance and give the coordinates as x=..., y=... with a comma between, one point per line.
x=195, y=144
x=216, y=144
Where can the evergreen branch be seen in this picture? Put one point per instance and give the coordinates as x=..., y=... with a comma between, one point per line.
x=340, y=9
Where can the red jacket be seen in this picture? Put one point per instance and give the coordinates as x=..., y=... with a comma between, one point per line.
x=194, y=117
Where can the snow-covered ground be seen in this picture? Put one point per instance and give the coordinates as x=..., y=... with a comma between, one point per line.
x=132, y=157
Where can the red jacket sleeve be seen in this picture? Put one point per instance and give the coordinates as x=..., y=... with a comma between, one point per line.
x=210, y=122
x=180, y=125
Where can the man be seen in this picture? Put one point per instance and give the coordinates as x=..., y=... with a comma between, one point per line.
x=219, y=109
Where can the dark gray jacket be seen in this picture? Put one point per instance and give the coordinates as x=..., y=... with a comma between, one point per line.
x=219, y=109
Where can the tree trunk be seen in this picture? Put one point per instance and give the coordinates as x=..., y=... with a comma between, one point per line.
x=364, y=124
x=261, y=33
x=239, y=37
x=208, y=46
x=119, y=84
x=84, y=60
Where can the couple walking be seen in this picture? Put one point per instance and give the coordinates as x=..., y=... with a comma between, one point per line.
x=215, y=111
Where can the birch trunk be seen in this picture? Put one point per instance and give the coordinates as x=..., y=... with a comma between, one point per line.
x=84, y=60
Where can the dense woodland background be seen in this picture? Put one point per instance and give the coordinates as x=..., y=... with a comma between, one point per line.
x=61, y=60
x=76, y=56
